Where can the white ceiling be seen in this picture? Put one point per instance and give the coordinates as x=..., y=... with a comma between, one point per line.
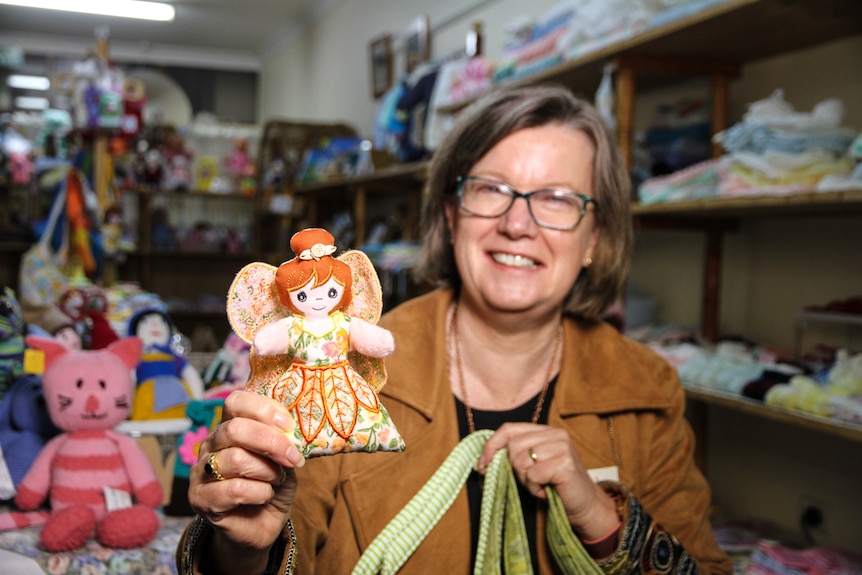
x=233, y=34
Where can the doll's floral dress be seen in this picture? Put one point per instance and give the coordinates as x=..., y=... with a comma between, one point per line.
x=335, y=408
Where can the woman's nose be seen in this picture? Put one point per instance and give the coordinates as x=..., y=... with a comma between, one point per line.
x=518, y=220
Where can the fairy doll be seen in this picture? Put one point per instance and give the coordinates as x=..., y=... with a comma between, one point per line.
x=315, y=346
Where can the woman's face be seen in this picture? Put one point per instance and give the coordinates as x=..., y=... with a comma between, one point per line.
x=510, y=263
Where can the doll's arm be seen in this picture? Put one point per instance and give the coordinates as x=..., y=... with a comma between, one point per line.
x=146, y=488
x=369, y=339
x=34, y=488
x=193, y=379
x=273, y=338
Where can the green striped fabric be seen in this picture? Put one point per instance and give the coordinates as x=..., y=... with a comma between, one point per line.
x=502, y=545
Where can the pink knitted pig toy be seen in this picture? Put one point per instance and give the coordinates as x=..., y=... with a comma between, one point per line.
x=88, y=393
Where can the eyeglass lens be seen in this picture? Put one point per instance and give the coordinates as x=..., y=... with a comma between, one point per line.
x=550, y=208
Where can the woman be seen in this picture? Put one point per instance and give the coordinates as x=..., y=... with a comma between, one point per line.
x=512, y=340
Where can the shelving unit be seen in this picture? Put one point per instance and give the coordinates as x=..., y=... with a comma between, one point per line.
x=825, y=425
x=398, y=185
x=717, y=216
x=713, y=42
x=716, y=43
x=176, y=274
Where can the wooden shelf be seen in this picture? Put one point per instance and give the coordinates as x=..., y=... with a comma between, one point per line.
x=401, y=180
x=197, y=313
x=847, y=430
x=807, y=203
x=15, y=247
x=191, y=194
x=202, y=255
x=734, y=32
x=410, y=173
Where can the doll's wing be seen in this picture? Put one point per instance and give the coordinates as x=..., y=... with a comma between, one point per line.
x=252, y=301
x=367, y=303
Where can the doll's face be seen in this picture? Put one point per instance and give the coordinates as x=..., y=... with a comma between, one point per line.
x=69, y=337
x=153, y=330
x=317, y=302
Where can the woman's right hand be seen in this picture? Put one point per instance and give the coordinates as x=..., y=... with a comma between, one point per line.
x=249, y=504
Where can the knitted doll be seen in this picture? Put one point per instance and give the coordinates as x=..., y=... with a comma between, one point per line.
x=25, y=426
x=166, y=380
x=314, y=311
x=97, y=480
x=12, y=330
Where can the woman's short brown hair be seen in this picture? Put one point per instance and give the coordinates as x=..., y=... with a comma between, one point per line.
x=478, y=129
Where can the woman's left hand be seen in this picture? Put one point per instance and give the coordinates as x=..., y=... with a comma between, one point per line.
x=540, y=456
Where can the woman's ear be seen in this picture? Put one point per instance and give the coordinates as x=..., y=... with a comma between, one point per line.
x=592, y=242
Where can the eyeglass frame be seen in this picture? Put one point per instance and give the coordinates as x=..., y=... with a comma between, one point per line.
x=515, y=194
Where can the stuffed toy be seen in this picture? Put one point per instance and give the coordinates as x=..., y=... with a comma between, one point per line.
x=97, y=480
x=166, y=381
x=87, y=308
x=229, y=369
x=12, y=331
x=25, y=426
x=315, y=347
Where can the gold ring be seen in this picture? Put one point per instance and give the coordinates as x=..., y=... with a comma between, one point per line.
x=211, y=467
x=533, y=455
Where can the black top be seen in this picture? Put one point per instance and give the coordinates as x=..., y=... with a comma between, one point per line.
x=493, y=420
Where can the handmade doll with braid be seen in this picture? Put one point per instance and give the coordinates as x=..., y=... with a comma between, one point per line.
x=315, y=346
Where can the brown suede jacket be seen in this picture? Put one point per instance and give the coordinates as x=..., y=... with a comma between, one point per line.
x=622, y=404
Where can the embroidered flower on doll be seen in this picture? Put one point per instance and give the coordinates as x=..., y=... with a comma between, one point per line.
x=315, y=345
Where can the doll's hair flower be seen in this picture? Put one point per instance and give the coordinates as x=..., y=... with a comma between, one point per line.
x=317, y=251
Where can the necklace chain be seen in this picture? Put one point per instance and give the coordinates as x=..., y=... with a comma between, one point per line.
x=453, y=326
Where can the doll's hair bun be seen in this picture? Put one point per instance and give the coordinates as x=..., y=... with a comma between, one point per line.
x=306, y=239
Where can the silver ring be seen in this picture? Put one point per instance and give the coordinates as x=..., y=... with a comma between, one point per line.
x=533, y=455
x=211, y=467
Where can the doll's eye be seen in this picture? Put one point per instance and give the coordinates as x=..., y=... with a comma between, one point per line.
x=302, y=296
x=333, y=293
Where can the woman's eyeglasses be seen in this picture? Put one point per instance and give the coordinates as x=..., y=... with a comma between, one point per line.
x=550, y=208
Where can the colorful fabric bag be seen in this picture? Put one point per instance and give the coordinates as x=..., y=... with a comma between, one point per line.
x=41, y=279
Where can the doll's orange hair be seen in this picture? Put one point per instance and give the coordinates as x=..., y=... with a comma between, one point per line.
x=297, y=273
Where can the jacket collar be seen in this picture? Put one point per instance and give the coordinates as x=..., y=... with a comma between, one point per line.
x=600, y=371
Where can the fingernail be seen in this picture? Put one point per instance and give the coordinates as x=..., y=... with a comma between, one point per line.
x=284, y=421
x=295, y=457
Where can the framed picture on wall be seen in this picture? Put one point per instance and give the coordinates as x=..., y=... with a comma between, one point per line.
x=417, y=43
x=381, y=65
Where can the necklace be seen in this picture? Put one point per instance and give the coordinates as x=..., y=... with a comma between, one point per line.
x=453, y=327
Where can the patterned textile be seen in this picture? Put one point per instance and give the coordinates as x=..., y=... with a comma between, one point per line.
x=158, y=558
x=335, y=407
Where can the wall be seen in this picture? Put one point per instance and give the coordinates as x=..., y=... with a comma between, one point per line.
x=771, y=266
x=324, y=75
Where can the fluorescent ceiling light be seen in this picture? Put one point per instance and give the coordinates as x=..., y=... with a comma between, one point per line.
x=31, y=103
x=121, y=8
x=28, y=82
